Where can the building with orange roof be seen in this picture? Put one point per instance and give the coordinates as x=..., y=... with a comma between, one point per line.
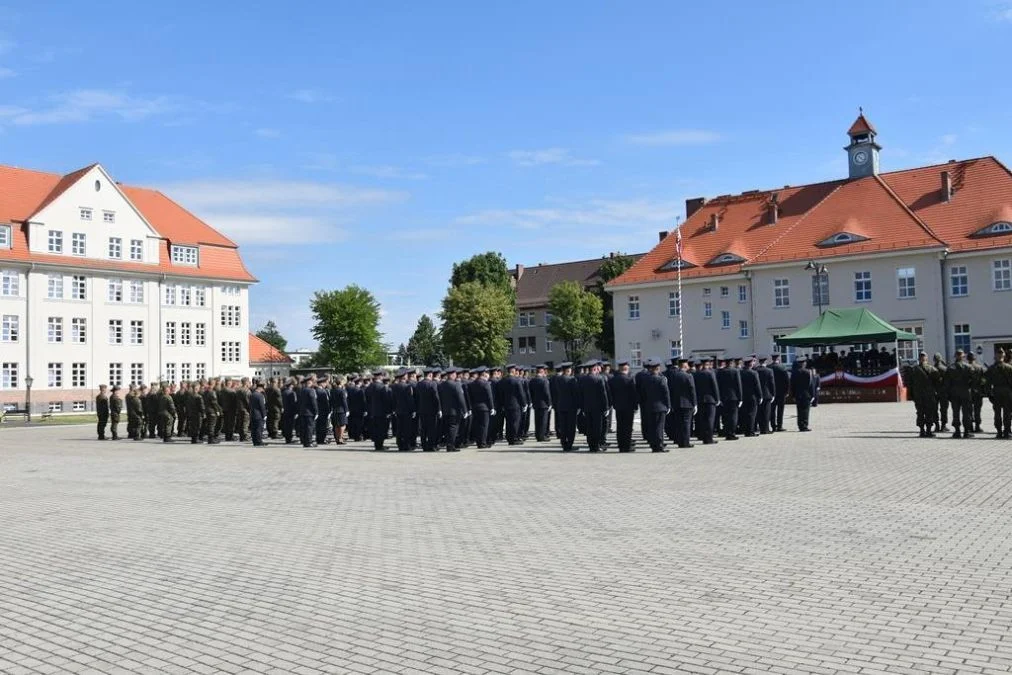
x=104, y=283
x=928, y=249
x=266, y=360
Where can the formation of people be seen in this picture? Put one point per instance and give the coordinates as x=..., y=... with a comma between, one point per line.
x=963, y=385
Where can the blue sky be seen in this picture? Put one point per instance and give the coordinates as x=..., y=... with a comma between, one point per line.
x=377, y=143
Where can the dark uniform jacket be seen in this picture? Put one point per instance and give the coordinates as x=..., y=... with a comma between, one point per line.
x=378, y=400
x=307, y=401
x=751, y=388
x=258, y=405
x=211, y=404
x=593, y=393
x=404, y=398
x=513, y=396
x=102, y=405
x=481, y=395
x=540, y=392
x=707, y=390
x=803, y=385
x=654, y=394
x=768, y=382
x=339, y=400
x=451, y=398
x=729, y=385
x=683, y=390
x=781, y=381
x=427, y=397
x=322, y=401
x=115, y=406
x=622, y=391
x=567, y=394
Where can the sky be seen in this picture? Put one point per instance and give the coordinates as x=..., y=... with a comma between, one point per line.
x=378, y=143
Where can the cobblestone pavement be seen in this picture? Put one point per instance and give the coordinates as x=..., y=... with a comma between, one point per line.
x=857, y=548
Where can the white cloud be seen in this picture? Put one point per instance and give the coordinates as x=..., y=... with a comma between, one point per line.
x=631, y=213
x=1004, y=14
x=674, y=137
x=388, y=171
x=280, y=228
x=419, y=235
x=544, y=156
x=949, y=139
x=265, y=132
x=83, y=105
x=6, y=72
x=310, y=96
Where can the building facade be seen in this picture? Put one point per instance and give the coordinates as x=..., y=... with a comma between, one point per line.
x=103, y=283
x=266, y=361
x=928, y=249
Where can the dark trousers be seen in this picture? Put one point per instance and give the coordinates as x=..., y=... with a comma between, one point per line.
x=927, y=409
x=962, y=411
x=671, y=423
x=978, y=404
x=307, y=426
x=514, y=418
x=479, y=428
x=765, y=408
x=256, y=429
x=114, y=426
x=428, y=429
x=194, y=425
x=152, y=424
x=567, y=428
x=654, y=424
x=102, y=421
x=704, y=422
x=464, y=437
x=777, y=413
x=594, y=429
x=729, y=413
x=211, y=422
x=525, y=423
x=272, y=422
x=624, y=429
x=322, y=422
x=451, y=422
x=747, y=415
x=405, y=432
x=378, y=427
x=943, y=410
x=804, y=409
x=288, y=427
x=541, y=423
x=682, y=426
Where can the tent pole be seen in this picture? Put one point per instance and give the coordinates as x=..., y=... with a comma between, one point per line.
x=899, y=379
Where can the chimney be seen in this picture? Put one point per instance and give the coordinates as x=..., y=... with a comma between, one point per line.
x=661, y=235
x=520, y=272
x=774, y=208
x=693, y=205
x=946, y=186
x=714, y=221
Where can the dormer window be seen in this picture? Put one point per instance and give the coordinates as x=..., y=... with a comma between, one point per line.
x=727, y=259
x=676, y=264
x=841, y=239
x=1002, y=227
x=5, y=236
x=85, y=213
x=184, y=255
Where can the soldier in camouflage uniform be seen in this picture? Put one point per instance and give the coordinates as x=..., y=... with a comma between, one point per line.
x=274, y=407
x=166, y=413
x=977, y=390
x=135, y=414
x=115, y=408
x=212, y=412
x=999, y=377
x=921, y=385
x=959, y=386
x=151, y=409
x=195, y=411
x=179, y=399
x=227, y=398
x=242, y=409
x=942, y=419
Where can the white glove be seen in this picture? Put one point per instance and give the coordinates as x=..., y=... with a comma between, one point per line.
x=492, y=412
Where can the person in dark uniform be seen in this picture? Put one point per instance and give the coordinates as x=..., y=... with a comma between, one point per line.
x=289, y=411
x=307, y=411
x=959, y=386
x=515, y=402
x=338, y=410
x=672, y=421
x=356, y=409
x=566, y=400
x=594, y=404
x=115, y=408
x=553, y=383
x=428, y=410
x=729, y=388
x=624, y=398
x=707, y=400
x=166, y=413
x=768, y=385
x=751, y=395
x=781, y=385
x=541, y=400
x=151, y=409
x=920, y=381
x=322, y=409
x=242, y=409
x=102, y=410
x=941, y=393
x=257, y=413
x=683, y=402
x=135, y=414
x=404, y=411
x=498, y=419
x=977, y=390
x=194, y=411
x=464, y=431
x=275, y=407
x=454, y=407
x=482, y=404
x=525, y=417
x=640, y=379
x=803, y=390
x=379, y=408
x=655, y=404
x=179, y=397
x=212, y=412
x=227, y=398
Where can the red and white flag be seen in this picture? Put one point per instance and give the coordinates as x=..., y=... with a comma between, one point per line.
x=678, y=239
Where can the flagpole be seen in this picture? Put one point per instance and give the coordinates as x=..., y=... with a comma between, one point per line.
x=678, y=249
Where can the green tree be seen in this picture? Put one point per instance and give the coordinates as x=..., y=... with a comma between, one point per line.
x=476, y=319
x=576, y=318
x=402, y=355
x=611, y=269
x=347, y=328
x=270, y=334
x=426, y=344
x=488, y=269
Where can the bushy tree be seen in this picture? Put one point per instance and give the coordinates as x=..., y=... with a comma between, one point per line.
x=576, y=318
x=270, y=334
x=611, y=269
x=426, y=344
x=476, y=318
x=347, y=328
x=488, y=269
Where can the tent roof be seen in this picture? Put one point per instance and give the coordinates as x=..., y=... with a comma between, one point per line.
x=845, y=326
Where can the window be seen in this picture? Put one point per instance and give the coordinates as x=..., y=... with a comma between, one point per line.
x=634, y=307
x=526, y=319
x=742, y=293
x=136, y=332
x=548, y=318
x=136, y=291
x=55, y=371
x=862, y=286
x=137, y=373
x=170, y=295
x=55, y=286
x=78, y=288
x=79, y=406
x=55, y=241
x=79, y=331
x=184, y=255
x=115, y=288
x=230, y=290
x=676, y=349
x=706, y=292
x=906, y=277
x=635, y=355
x=201, y=371
x=509, y=346
x=185, y=296
x=170, y=372
x=959, y=281
x=115, y=374
x=1002, y=274
x=522, y=345
x=961, y=337
x=725, y=292
x=909, y=350
x=200, y=332
x=781, y=293
x=115, y=248
x=5, y=236
x=548, y=345
x=674, y=303
x=707, y=310
x=230, y=352
x=725, y=320
x=532, y=344
x=85, y=213
x=78, y=375
x=136, y=249
x=170, y=332
x=820, y=290
x=200, y=296
x=185, y=372
x=108, y=216
x=54, y=329
x=184, y=333
x=115, y=331
x=9, y=376
x=743, y=329
x=10, y=283
x=230, y=315
x=78, y=243
x=786, y=352
x=10, y=328
x=55, y=407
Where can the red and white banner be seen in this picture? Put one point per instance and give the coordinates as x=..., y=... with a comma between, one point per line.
x=890, y=378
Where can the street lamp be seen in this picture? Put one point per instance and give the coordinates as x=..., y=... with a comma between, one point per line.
x=820, y=271
x=28, y=397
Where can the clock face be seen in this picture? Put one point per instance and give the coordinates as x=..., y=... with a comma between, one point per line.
x=860, y=157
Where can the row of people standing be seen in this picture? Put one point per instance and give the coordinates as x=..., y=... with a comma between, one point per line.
x=963, y=385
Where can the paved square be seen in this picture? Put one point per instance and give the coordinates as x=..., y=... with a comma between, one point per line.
x=856, y=548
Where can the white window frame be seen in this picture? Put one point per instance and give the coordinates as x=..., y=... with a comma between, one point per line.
x=170, y=371
x=200, y=296
x=115, y=331
x=962, y=337
x=959, y=280
x=137, y=249
x=78, y=330
x=54, y=375
x=136, y=332
x=185, y=333
x=114, y=290
x=115, y=374
x=725, y=320
x=906, y=283
x=170, y=295
x=676, y=349
x=743, y=332
x=1001, y=274
x=908, y=350
x=108, y=216
x=5, y=236
x=170, y=332
x=633, y=307
x=9, y=375
x=55, y=241
x=54, y=407
x=10, y=328
x=185, y=296
x=725, y=291
x=200, y=371
x=548, y=345
x=200, y=334
x=184, y=255
x=10, y=283
x=85, y=213
x=787, y=352
x=54, y=286
x=636, y=354
x=137, y=373
x=862, y=286
x=78, y=375
x=79, y=243
x=707, y=310
x=230, y=351
x=115, y=248
x=136, y=291
x=54, y=330
x=781, y=293
x=742, y=293
x=674, y=303
x=185, y=372
x=78, y=287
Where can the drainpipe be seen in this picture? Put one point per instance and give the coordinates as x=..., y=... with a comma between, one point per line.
x=28, y=324
x=751, y=310
x=161, y=337
x=945, y=303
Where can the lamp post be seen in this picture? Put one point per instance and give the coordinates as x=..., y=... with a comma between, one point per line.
x=28, y=397
x=820, y=271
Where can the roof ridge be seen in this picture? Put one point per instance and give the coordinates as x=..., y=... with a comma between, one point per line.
x=938, y=165
x=188, y=212
x=909, y=212
x=796, y=223
x=577, y=262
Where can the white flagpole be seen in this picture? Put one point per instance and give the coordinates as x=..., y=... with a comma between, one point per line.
x=678, y=249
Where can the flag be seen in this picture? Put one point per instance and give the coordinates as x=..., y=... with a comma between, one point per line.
x=678, y=240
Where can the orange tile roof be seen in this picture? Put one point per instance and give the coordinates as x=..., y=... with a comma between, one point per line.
x=261, y=351
x=861, y=126
x=24, y=192
x=900, y=210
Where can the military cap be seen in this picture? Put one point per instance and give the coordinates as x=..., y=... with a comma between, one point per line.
x=115, y=387
x=541, y=366
x=590, y=363
x=801, y=359
x=479, y=369
x=762, y=359
x=706, y=359
x=621, y=363
x=378, y=373
x=510, y=366
x=324, y=378
x=651, y=363
x=680, y=360
x=565, y=364
x=925, y=354
x=959, y=352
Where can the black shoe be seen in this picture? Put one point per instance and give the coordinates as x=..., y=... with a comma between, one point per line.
x=967, y=434
x=710, y=442
x=956, y=434
x=929, y=434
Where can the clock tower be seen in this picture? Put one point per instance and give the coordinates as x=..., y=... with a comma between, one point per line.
x=862, y=153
